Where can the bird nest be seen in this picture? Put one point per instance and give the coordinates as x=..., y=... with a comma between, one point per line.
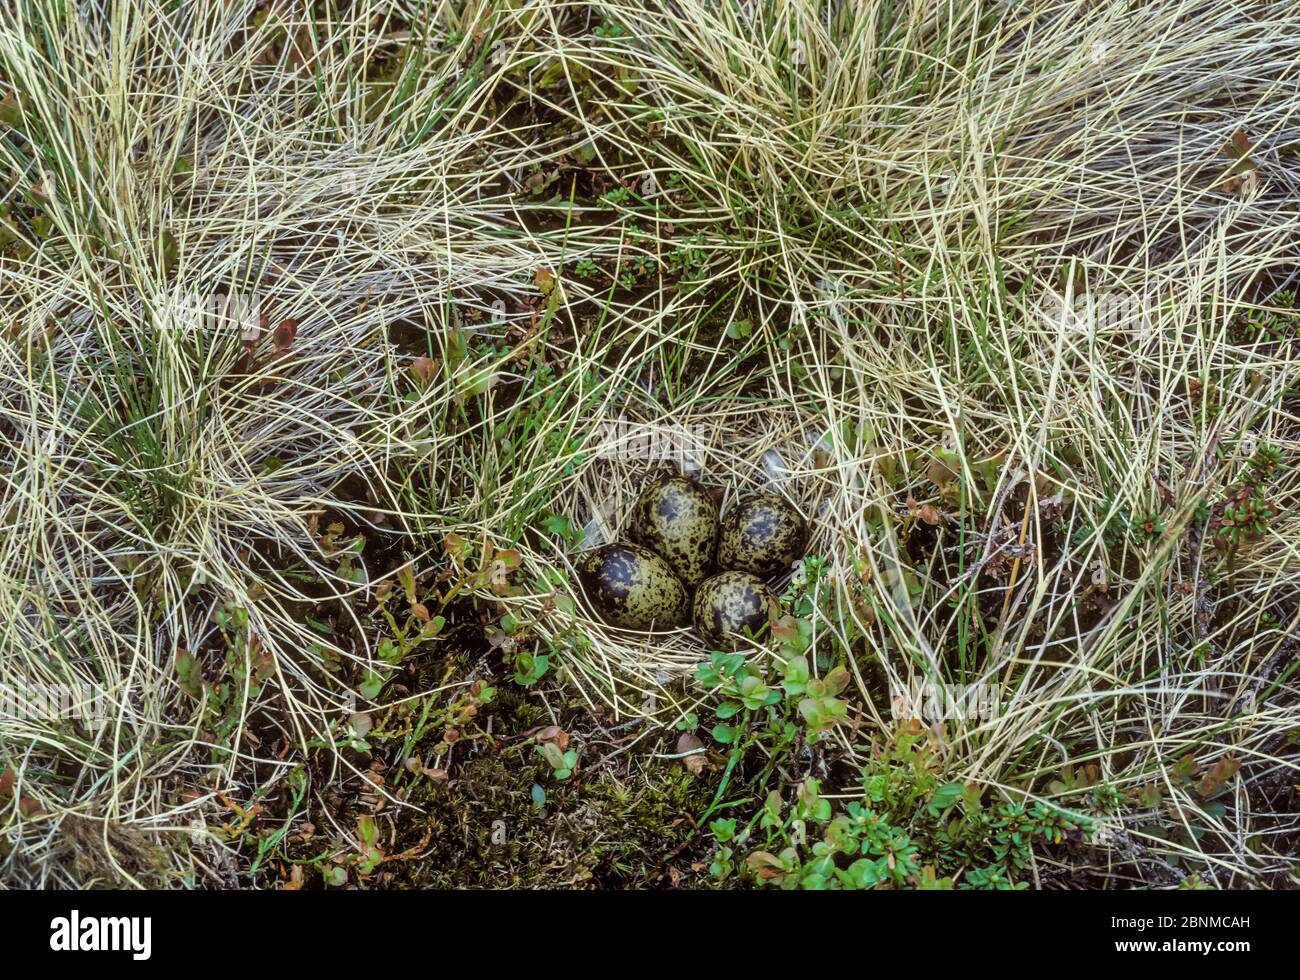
x=731, y=450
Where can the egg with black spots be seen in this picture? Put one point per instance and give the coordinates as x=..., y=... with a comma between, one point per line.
x=728, y=604
x=762, y=534
x=678, y=520
x=632, y=587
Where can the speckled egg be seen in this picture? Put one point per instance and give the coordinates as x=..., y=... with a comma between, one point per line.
x=633, y=587
x=675, y=518
x=762, y=534
x=730, y=602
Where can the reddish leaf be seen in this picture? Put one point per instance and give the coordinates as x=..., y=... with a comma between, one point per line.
x=1240, y=144
x=284, y=335
x=764, y=865
x=1217, y=776
x=924, y=512
x=837, y=680
x=425, y=368
x=406, y=575
x=553, y=733
x=1186, y=767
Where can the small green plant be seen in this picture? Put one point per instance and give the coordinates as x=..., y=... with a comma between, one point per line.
x=1248, y=513
x=512, y=634
x=406, y=635
x=1281, y=323
x=723, y=865
x=530, y=667
x=1245, y=518
x=610, y=30
x=816, y=698
x=908, y=829
x=689, y=258
x=245, y=667
x=739, y=329
x=1107, y=798
x=563, y=761
x=742, y=688
x=1117, y=525
x=617, y=197
x=1265, y=462
x=1151, y=526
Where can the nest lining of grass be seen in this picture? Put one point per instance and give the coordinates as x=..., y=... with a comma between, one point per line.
x=732, y=447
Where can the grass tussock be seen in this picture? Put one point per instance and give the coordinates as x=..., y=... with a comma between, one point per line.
x=335, y=330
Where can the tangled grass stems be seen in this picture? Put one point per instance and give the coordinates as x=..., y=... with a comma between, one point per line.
x=924, y=256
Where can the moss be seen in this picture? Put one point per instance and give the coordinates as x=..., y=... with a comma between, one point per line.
x=607, y=832
x=626, y=823
x=610, y=829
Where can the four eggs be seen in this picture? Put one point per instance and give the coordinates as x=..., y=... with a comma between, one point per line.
x=688, y=562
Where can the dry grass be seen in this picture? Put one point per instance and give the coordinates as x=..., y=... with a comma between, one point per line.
x=879, y=201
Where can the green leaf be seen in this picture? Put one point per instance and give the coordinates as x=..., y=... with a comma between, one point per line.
x=728, y=709
x=796, y=675
x=553, y=755
x=864, y=873
x=366, y=830
x=724, y=829
x=190, y=673
x=530, y=668
x=945, y=796
x=557, y=524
